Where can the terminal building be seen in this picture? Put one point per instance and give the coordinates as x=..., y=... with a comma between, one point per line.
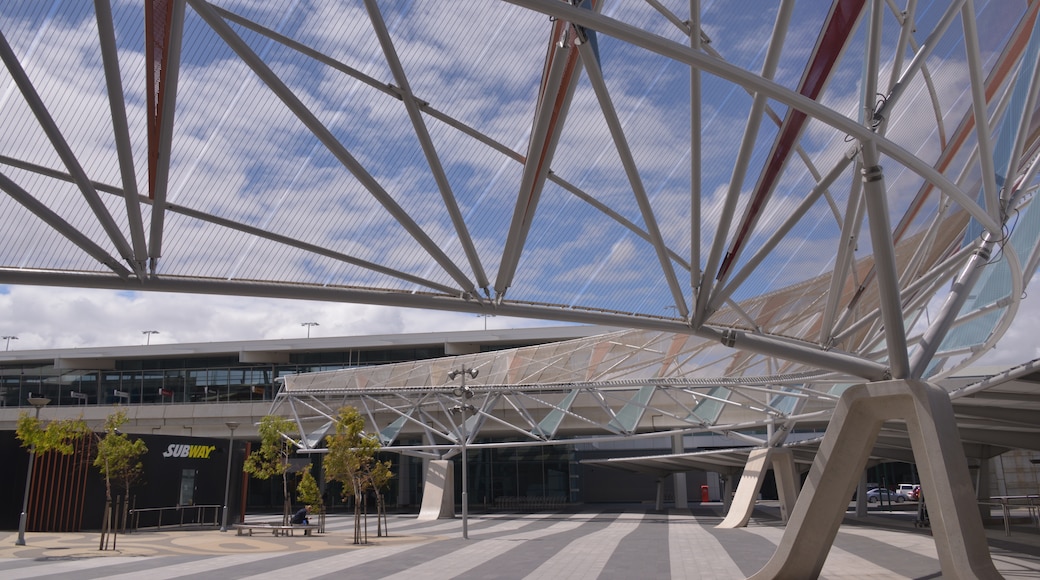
x=181, y=398
x=184, y=399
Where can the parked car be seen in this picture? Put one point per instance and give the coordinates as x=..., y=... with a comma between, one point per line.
x=910, y=489
x=884, y=495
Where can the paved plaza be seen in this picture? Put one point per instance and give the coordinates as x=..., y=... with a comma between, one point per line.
x=621, y=542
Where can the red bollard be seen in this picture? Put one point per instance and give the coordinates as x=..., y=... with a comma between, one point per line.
x=704, y=494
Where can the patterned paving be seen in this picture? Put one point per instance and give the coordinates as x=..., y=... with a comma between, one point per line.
x=629, y=543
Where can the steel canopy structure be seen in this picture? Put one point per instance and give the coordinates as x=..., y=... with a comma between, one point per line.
x=603, y=166
x=843, y=199
x=823, y=197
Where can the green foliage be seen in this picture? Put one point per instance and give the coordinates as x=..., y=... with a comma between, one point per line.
x=351, y=460
x=351, y=456
x=58, y=435
x=307, y=492
x=272, y=458
x=119, y=458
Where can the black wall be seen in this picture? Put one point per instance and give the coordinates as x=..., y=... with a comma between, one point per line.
x=159, y=486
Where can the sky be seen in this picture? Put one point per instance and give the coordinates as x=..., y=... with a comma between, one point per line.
x=274, y=176
x=44, y=318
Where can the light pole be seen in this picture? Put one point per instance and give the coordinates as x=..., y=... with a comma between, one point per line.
x=227, y=478
x=148, y=335
x=9, y=338
x=485, y=317
x=464, y=393
x=309, y=325
x=39, y=403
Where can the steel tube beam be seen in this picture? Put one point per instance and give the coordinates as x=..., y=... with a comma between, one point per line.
x=771, y=346
x=707, y=293
x=824, y=114
x=121, y=133
x=172, y=66
x=62, y=148
x=885, y=261
x=429, y=150
x=331, y=143
x=628, y=162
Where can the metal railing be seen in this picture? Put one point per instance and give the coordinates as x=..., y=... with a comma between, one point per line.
x=175, y=516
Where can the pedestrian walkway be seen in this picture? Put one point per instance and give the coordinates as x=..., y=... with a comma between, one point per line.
x=621, y=542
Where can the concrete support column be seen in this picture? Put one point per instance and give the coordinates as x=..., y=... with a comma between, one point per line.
x=728, y=489
x=983, y=482
x=679, y=479
x=659, y=503
x=787, y=480
x=861, y=495
x=404, y=491
x=438, y=500
x=747, y=491
x=960, y=539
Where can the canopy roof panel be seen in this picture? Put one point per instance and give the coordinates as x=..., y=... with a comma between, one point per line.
x=798, y=184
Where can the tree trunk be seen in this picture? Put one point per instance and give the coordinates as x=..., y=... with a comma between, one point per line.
x=357, y=516
x=286, y=502
x=381, y=517
x=106, y=525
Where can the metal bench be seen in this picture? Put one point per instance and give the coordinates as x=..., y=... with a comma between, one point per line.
x=275, y=528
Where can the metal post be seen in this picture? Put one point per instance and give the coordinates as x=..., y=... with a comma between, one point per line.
x=465, y=393
x=465, y=483
x=227, y=478
x=39, y=403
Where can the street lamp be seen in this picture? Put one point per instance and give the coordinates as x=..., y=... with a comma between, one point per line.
x=227, y=479
x=39, y=403
x=463, y=392
x=148, y=335
x=9, y=338
x=309, y=325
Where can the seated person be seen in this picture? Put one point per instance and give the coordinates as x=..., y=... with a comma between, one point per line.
x=300, y=517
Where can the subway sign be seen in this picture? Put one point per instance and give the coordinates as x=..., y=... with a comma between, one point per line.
x=189, y=451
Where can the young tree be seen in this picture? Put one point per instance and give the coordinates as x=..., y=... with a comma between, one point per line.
x=58, y=435
x=379, y=478
x=307, y=493
x=119, y=460
x=272, y=458
x=351, y=461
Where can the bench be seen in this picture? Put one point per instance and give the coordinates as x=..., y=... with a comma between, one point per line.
x=275, y=528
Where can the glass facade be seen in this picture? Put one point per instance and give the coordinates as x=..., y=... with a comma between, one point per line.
x=178, y=380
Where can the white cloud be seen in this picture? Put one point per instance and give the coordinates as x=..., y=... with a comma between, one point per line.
x=44, y=318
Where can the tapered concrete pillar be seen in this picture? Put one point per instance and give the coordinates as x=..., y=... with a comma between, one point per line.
x=728, y=489
x=404, y=495
x=861, y=495
x=747, y=490
x=781, y=460
x=438, y=500
x=982, y=487
x=787, y=480
x=659, y=502
x=679, y=479
x=955, y=523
